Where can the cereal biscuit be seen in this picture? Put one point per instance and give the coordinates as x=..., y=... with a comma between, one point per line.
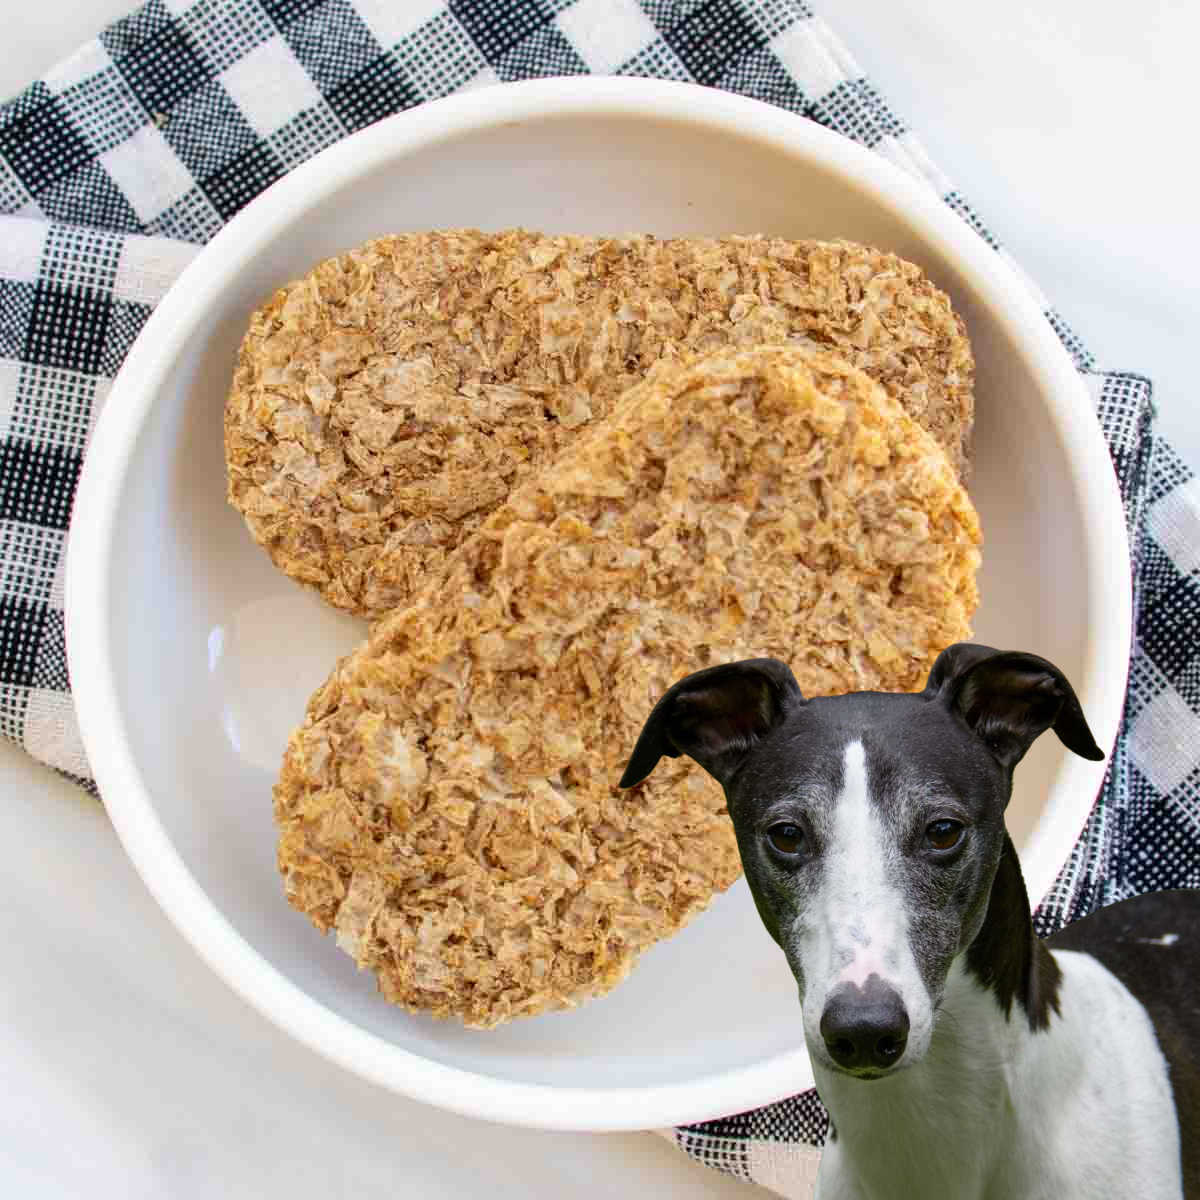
x=449, y=805
x=384, y=404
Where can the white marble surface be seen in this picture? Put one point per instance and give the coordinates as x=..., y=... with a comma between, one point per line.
x=131, y=1071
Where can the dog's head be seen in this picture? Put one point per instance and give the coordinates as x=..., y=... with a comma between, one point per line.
x=870, y=825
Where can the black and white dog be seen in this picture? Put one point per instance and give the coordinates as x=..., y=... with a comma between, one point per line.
x=960, y=1057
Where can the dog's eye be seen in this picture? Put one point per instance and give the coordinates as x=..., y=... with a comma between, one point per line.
x=786, y=837
x=944, y=834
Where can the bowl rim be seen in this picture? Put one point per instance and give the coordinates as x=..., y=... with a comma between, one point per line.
x=134, y=393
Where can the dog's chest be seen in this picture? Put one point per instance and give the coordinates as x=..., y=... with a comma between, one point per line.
x=1093, y=1098
x=1080, y=1112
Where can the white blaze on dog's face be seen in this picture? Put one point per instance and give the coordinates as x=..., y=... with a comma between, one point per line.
x=855, y=925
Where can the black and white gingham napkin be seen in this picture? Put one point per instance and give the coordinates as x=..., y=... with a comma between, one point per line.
x=124, y=159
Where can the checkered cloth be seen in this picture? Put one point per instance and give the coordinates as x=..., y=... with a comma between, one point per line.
x=123, y=160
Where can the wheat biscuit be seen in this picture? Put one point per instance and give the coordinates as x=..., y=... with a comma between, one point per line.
x=384, y=404
x=449, y=805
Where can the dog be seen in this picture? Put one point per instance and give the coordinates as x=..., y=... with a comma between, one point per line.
x=959, y=1056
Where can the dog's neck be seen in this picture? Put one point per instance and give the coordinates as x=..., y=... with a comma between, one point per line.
x=1007, y=957
x=941, y=1128
x=952, y=1124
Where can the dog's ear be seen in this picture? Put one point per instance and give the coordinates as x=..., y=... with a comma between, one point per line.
x=1008, y=698
x=715, y=716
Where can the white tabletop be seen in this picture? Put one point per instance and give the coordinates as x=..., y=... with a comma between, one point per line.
x=131, y=1071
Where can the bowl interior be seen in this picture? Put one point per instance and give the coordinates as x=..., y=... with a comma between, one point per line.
x=215, y=653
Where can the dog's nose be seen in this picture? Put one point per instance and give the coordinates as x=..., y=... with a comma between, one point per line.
x=865, y=1026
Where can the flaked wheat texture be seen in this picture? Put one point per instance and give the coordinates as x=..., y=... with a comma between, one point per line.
x=449, y=805
x=384, y=404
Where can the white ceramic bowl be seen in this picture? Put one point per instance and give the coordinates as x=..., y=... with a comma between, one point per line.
x=191, y=657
